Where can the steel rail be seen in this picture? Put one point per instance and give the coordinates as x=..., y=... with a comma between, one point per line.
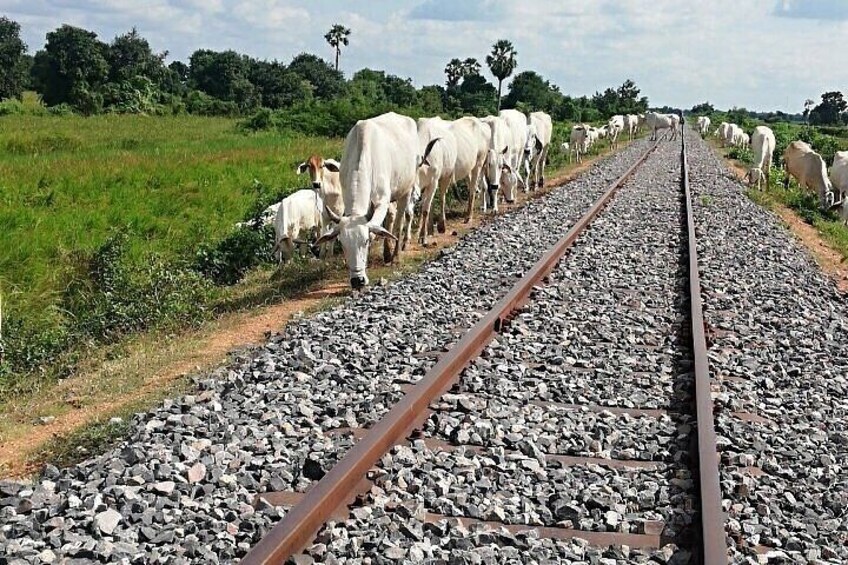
x=714, y=542
x=297, y=528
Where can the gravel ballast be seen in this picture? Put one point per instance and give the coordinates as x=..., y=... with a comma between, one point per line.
x=779, y=348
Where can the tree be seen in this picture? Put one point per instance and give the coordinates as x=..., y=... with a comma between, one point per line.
x=530, y=90
x=502, y=61
x=14, y=71
x=829, y=111
x=72, y=69
x=336, y=37
x=476, y=96
x=454, y=71
x=326, y=82
x=701, y=109
x=223, y=75
x=130, y=56
x=628, y=99
x=808, y=105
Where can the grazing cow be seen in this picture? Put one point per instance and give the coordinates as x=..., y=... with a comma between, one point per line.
x=703, y=125
x=498, y=173
x=631, y=124
x=379, y=165
x=657, y=122
x=809, y=170
x=266, y=218
x=472, y=145
x=763, y=144
x=299, y=212
x=614, y=128
x=536, y=149
x=593, y=134
x=324, y=174
x=578, y=140
x=839, y=180
x=724, y=134
x=437, y=172
x=518, y=130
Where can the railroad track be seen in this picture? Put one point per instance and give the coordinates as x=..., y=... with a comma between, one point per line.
x=543, y=424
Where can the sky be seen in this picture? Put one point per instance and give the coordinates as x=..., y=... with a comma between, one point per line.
x=758, y=54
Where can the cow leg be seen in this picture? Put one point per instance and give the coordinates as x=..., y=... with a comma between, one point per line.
x=473, y=181
x=387, y=223
x=426, y=204
x=443, y=192
x=398, y=227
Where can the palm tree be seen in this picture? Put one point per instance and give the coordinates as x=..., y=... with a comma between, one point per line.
x=470, y=66
x=336, y=37
x=502, y=62
x=808, y=105
x=454, y=72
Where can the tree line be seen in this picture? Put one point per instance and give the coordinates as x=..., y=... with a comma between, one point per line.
x=77, y=72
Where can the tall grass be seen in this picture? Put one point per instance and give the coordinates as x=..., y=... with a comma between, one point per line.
x=166, y=186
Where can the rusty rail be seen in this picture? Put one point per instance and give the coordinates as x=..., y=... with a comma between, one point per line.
x=294, y=532
x=714, y=543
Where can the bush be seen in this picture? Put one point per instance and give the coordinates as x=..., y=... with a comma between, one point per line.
x=227, y=261
x=11, y=106
x=61, y=110
x=202, y=104
x=109, y=297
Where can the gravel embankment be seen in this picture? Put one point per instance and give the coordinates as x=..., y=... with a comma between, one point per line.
x=609, y=330
x=180, y=488
x=779, y=333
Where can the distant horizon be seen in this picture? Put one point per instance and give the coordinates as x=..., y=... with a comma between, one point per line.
x=678, y=53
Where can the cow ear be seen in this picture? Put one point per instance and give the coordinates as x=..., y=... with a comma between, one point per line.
x=380, y=231
x=332, y=165
x=302, y=168
x=327, y=237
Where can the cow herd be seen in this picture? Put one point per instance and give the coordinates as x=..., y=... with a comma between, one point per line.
x=390, y=162
x=800, y=161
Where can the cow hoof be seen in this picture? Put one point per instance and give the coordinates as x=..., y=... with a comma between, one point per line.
x=442, y=227
x=508, y=202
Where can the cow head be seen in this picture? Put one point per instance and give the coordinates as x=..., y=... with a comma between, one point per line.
x=493, y=169
x=355, y=234
x=316, y=166
x=510, y=179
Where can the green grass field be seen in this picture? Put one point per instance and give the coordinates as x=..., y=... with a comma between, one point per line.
x=169, y=184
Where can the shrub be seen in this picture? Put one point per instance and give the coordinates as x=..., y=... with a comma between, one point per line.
x=11, y=106
x=204, y=105
x=227, y=261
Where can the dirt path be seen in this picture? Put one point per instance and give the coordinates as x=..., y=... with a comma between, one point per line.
x=154, y=368
x=829, y=259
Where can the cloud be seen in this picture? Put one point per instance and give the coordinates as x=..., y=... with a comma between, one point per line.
x=827, y=10
x=457, y=11
x=678, y=52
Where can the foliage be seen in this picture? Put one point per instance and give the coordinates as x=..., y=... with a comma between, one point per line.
x=226, y=261
x=336, y=37
x=702, y=109
x=223, y=76
x=529, y=90
x=13, y=60
x=72, y=68
x=502, y=62
x=831, y=111
x=326, y=82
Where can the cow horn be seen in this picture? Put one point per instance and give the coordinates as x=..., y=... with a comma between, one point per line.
x=335, y=218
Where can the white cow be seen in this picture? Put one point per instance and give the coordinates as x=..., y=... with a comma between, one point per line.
x=578, y=140
x=379, y=165
x=809, y=170
x=299, y=212
x=266, y=218
x=656, y=122
x=536, y=149
x=631, y=124
x=762, y=144
x=839, y=180
x=436, y=138
x=519, y=131
x=744, y=140
x=498, y=173
x=614, y=128
x=593, y=134
x=724, y=133
x=703, y=125
x=324, y=174
x=472, y=145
